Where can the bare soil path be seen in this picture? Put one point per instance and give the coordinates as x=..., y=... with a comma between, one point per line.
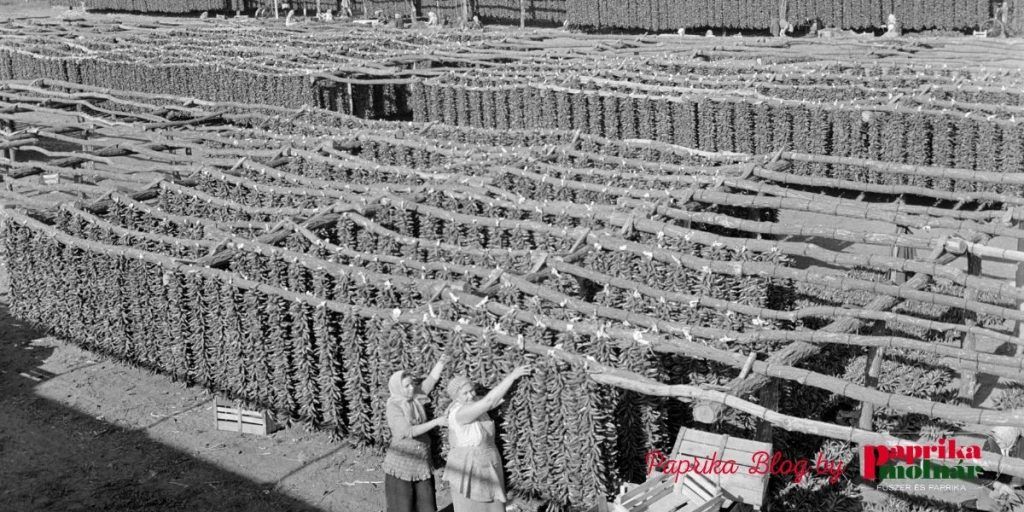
x=79, y=432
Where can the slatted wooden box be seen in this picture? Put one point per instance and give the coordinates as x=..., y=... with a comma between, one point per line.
x=741, y=487
x=233, y=418
x=658, y=494
x=692, y=491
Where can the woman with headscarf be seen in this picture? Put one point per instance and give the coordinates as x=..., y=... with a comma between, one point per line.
x=408, y=472
x=474, y=467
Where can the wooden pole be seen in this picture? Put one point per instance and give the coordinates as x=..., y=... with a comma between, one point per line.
x=873, y=365
x=276, y=13
x=1018, y=449
x=522, y=13
x=968, y=379
x=11, y=152
x=351, y=101
x=795, y=352
x=876, y=355
x=872, y=369
x=901, y=252
x=768, y=397
x=1018, y=330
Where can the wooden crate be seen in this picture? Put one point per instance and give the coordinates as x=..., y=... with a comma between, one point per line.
x=741, y=487
x=236, y=419
x=658, y=494
x=654, y=494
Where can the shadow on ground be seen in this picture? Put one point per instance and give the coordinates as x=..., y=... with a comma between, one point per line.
x=53, y=457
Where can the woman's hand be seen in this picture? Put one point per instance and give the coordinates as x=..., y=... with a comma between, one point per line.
x=443, y=360
x=493, y=398
x=521, y=371
x=423, y=428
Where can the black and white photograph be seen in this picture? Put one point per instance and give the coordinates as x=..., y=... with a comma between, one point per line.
x=511, y=255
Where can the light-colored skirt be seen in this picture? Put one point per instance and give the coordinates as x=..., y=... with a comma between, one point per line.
x=476, y=473
x=461, y=503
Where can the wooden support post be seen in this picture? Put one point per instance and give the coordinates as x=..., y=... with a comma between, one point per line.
x=876, y=355
x=873, y=365
x=522, y=13
x=769, y=398
x=276, y=12
x=465, y=13
x=318, y=8
x=872, y=369
x=351, y=101
x=900, y=252
x=12, y=153
x=1018, y=449
x=1018, y=330
x=1019, y=281
x=758, y=216
x=968, y=379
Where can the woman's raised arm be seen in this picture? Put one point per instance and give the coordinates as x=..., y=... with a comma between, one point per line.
x=473, y=410
x=435, y=375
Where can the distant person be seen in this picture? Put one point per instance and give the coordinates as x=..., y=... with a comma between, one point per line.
x=893, y=27
x=408, y=470
x=1002, y=19
x=785, y=27
x=474, y=469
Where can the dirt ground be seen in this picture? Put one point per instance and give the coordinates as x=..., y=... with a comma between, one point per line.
x=79, y=432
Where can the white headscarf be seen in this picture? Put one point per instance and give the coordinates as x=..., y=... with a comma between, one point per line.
x=411, y=404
